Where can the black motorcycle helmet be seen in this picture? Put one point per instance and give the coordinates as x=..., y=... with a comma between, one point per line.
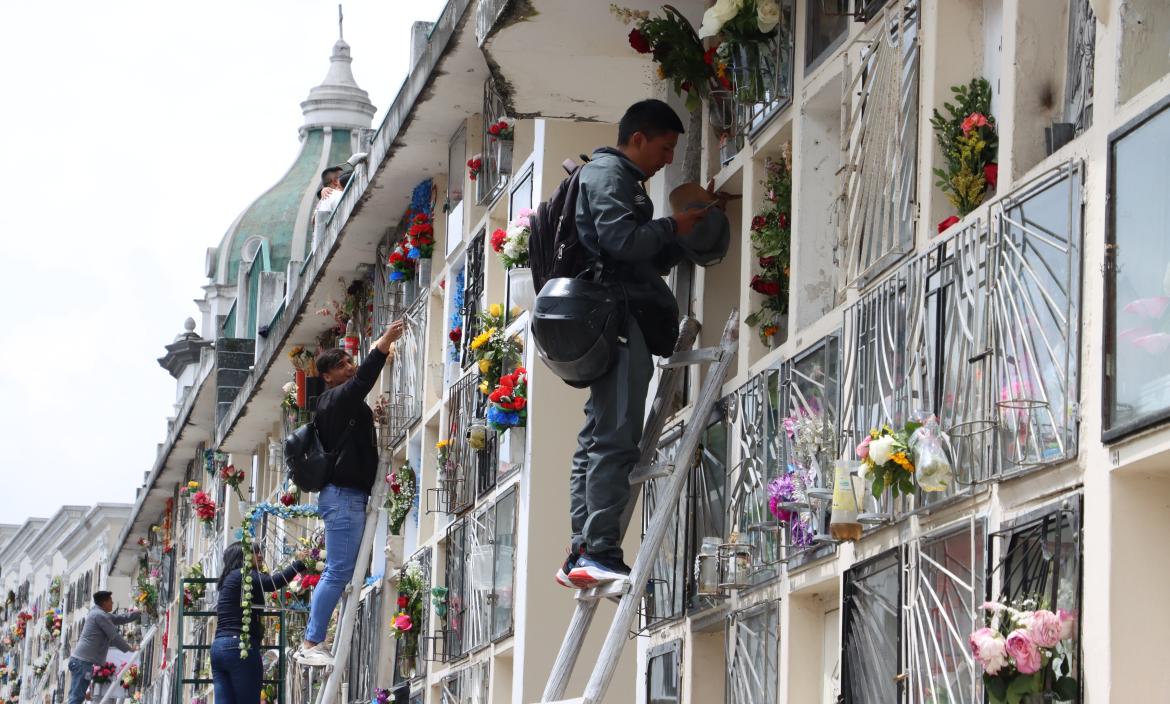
x=575, y=324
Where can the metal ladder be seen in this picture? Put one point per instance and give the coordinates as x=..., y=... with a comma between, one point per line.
x=629, y=592
x=342, y=640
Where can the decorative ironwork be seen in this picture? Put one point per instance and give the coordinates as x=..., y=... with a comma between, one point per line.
x=406, y=375
x=879, y=146
x=754, y=415
x=1035, y=317
x=1078, y=86
x=456, y=576
x=469, y=685
x=945, y=589
x=504, y=564
x=473, y=286
x=664, y=591
x=478, y=581
x=459, y=474
x=753, y=655
x=759, y=92
x=663, y=681
x=492, y=178
x=872, y=600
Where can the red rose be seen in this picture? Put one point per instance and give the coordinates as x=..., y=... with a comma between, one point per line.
x=783, y=221
x=991, y=175
x=395, y=257
x=496, y=395
x=403, y=601
x=639, y=41
x=759, y=222
x=521, y=370
x=494, y=130
x=519, y=403
x=942, y=226
x=498, y=238
x=396, y=488
x=455, y=335
x=767, y=262
x=765, y=286
x=709, y=55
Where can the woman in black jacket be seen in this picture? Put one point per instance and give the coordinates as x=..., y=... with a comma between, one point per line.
x=236, y=679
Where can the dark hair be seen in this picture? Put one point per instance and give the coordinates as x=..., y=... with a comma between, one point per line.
x=233, y=559
x=329, y=360
x=650, y=117
x=330, y=170
x=100, y=598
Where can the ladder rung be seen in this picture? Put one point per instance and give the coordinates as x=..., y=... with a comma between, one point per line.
x=610, y=590
x=689, y=357
x=199, y=613
x=647, y=472
x=198, y=681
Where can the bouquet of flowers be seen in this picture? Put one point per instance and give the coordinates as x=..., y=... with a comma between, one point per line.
x=474, y=166
x=40, y=666
x=675, y=48
x=312, y=553
x=512, y=244
x=232, y=477
x=970, y=146
x=129, y=677
x=492, y=347
x=104, y=673
x=411, y=586
x=503, y=128
x=1020, y=648
x=291, y=497
x=787, y=488
x=771, y=238
x=205, y=508
x=401, y=266
x=303, y=360
x=509, y=401
x=401, y=497
x=193, y=593
x=21, y=627
x=888, y=460
x=443, y=453
x=53, y=623
x=420, y=238
x=145, y=592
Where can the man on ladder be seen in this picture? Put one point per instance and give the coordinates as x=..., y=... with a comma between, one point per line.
x=345, y=424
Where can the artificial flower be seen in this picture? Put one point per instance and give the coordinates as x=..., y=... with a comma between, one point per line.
x=989, y=650
x=767, y=15
x=991, y=175
x=972, y=121
x=495, y=310
x=1023, y=651
x=863, y=448
x=403, y=601
x=881, y=449
x=1045, y=628
x=945, y=224
x=717, y=16
x=639, y=41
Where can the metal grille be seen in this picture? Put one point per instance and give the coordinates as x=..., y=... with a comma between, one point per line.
x=753, y=412
x=478, y=583
x=1035, y=318
x=472, y=295
x=467, y=686
x=503, y=565
x=456, y=580
x=391, y=299
x=406, y=375
x=664, y=591
x=945, y=589
x=662, y=674
x=753, y=655
x=879, y=146
x=459, y=474
x=363, y=660
x=872, y=619
x=758, y=92
x=491, y=179
x=1078, y=86
x=407, y=665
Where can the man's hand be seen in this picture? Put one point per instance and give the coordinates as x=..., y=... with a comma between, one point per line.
x=721, y=197
x=393, y=332
x=685, y=221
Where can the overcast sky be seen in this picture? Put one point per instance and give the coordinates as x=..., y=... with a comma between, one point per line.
x=132, y=132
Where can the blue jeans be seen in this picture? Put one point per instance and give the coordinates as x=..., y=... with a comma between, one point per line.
x=344, y=512
x=236, y=680
x=81, y=673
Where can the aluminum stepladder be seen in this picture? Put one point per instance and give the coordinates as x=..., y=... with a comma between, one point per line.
x=629, y=592
x=344, y=634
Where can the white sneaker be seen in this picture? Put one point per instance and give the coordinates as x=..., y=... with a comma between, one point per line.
x=317, y=656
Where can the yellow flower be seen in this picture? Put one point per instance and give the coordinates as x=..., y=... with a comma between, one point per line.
x=495, y=310
x=192, y=485
x=483, y=388
x=485, y=365
x=903, y=461
x=441, y=444
x=481, y=339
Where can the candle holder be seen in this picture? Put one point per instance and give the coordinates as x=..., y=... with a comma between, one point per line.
x=735, y=564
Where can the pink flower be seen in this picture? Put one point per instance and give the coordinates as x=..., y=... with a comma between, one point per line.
x=988, y=649
x=1044, y=630
x=1023, y=652
x=972, y=121
x=403, y=623
x=863, y=448
x=1068, y=621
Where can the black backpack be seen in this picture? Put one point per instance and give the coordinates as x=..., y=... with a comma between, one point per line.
x=310, y=466
x=553, y=248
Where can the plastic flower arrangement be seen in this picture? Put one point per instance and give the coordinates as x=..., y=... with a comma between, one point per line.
x=1023, y=651
x=303, y=360
x=400, y=499
x=381, y=696
x=407, y=621
x=771, y=238
x=233, y=477
x=474, y=166
x=145, y=591
x=492, y=347
x=512, y=244
x=743, y=27
x=784, y=489
x=443, y=453
x=503, y=129
x=205, y=508
x=509, y=401
x=455, y=318
x=53, y=623
x=104, y=673
x=401, y=266
x=970, y=147
x=129, y=677
x=420, y=238
x=888, y=460
x=194, y=593
x=675, y=48
x=21, y=627
x=268, y=693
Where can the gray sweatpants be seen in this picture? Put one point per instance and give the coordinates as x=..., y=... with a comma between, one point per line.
x=607, y=450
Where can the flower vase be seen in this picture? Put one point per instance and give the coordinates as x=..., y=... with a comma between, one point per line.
x=511, y=448
x=503, y=148
x=520, y=287
x=300, y=381
x=424, y=273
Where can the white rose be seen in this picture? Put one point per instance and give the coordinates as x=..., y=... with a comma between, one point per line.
x=882, y=449
x=290, y=387
x=767, y=15
x=320, y=566
x=717, y=16
x=515, y=232
x=321, y=554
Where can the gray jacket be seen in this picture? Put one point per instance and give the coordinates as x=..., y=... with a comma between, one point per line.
x=100, y=632
x=615, y=221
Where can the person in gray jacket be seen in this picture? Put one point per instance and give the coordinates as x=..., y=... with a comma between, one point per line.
x=100, y=632
x=616, y=224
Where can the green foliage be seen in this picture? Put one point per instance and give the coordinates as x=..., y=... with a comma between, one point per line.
x=967, y=151
x=771, y=242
